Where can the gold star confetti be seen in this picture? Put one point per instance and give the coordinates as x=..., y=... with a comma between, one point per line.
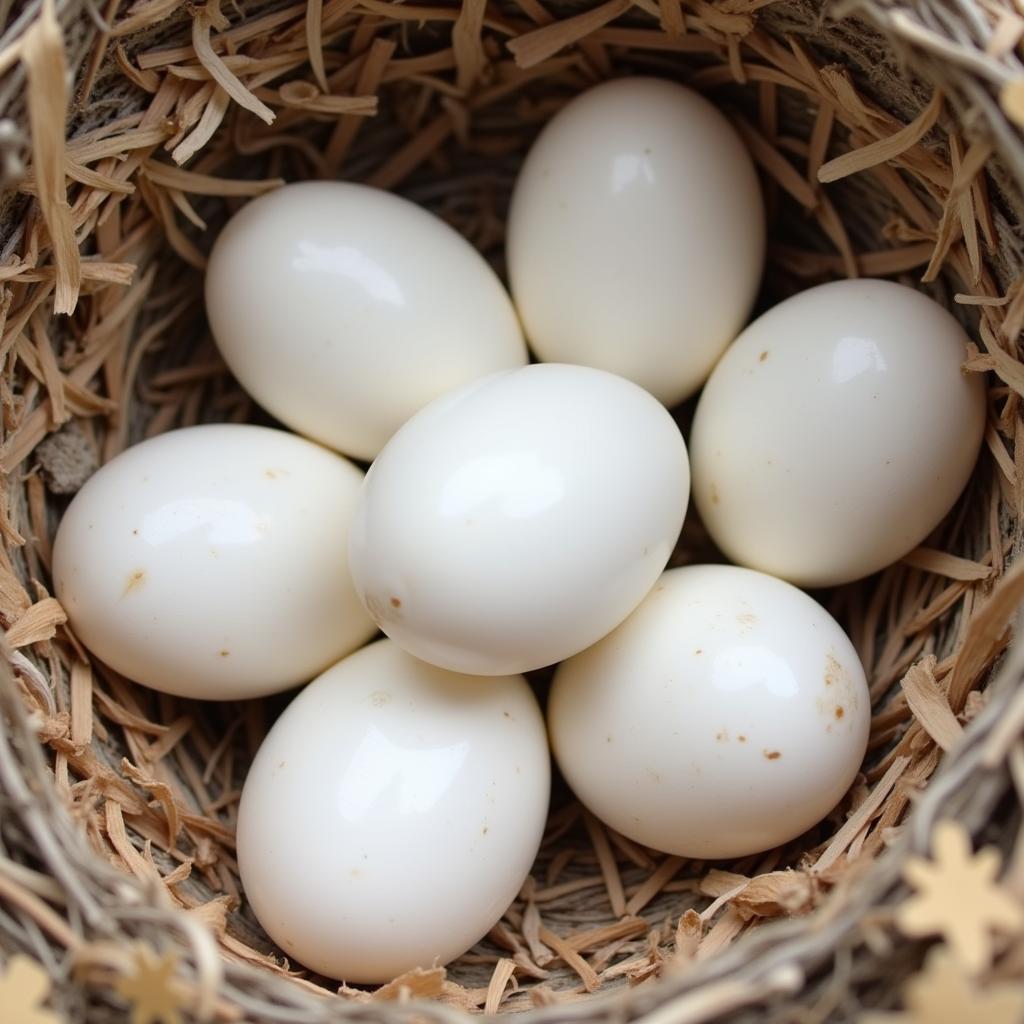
x=958, y=897
x=23, y=986
x=943, y=993
x=151, y=989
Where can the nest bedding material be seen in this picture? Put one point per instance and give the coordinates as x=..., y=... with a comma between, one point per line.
x=887, y=137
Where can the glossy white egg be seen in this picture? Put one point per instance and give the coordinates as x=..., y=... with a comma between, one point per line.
x=636, y=235
x=343, y=309
x=212, y=562
x=392, y=814
x=836, y=433
x=727, y=715
x=516, y=521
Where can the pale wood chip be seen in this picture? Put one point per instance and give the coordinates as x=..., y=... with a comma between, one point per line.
x=142, y=16
x=777, y=894
x=688, y=934
x=986, y=634
x=673, y=21
x=591, y=982
x=210, y=121
x=81, y=703
x=721, y=934
x=884, y=149
x=467, y=45
x=606, y=861
x=202, y=21
x=929, y=704
x=944, y=564
x=205, y=184
x=162, y=794
x=39, y=622
x=654, y=883
x=299, y=95
x=594, y=938
x=536, y=46
x=415, y=984
x=853, y=824
x=503, y=971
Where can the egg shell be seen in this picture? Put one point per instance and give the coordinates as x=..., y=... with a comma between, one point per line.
x=516, y=521
x=212, y=562
x=837, y=432
x=392, y=814
x=636, y=235
x=343, y=309
x=727, y=715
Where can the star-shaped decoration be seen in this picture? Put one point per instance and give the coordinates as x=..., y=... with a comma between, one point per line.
x=959, y=898
x=150, y=989
x=24, y=985
x=943, y=993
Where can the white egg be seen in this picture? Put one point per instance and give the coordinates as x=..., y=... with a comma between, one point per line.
x=727, y=715
x=392, y=814
x=836, y=432
x=636, y=235
x=343, y=309
x=212, y=562
x=516, y=521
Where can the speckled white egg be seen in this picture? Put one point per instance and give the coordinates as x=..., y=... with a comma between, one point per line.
x=836, y=432
x=343, y=309
x=636, y=235
x=516, y=521
x=392, y=814
x=727, y=715
x=212, y=562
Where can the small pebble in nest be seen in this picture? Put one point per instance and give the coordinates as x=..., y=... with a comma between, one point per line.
x=67, y=459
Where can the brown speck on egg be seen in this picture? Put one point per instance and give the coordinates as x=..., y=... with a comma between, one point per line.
x=225, y=654
x=714, y=495
x=840, y=712
x=395, y=602
x=721, y=736
x=136, y=580
x=772, y=755
x=763, y=356
x=742, y=738
x=834, y=672
x=700, y=650
x=746, y=619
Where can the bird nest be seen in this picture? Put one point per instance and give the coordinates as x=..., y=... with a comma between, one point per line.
x=888, y=138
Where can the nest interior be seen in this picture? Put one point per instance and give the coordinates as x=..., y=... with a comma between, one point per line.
x=887, y=147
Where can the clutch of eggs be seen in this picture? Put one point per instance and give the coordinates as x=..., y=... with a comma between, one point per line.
x=517, y=516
